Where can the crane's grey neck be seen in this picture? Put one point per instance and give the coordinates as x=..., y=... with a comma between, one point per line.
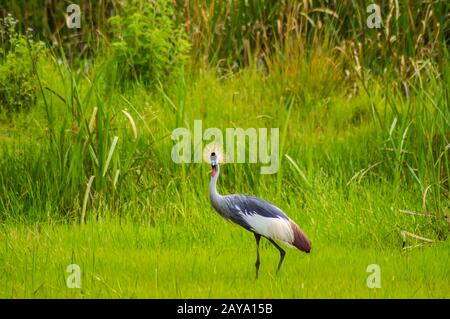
x=215, y=197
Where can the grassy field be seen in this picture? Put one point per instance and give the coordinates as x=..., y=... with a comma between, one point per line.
x=213, y=260
x=87, y=178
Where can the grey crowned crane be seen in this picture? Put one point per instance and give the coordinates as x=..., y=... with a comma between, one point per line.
x=257, y=216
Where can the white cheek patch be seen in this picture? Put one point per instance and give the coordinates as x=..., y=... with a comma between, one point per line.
x=274, y=228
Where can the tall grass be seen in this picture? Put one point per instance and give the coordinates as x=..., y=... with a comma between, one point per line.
x=47, y=19
x=359, y=110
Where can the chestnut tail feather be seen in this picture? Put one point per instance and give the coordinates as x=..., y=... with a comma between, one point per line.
x=301, y=241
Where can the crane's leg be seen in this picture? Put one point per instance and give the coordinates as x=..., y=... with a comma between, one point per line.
x=282, y=253
x=257, y=237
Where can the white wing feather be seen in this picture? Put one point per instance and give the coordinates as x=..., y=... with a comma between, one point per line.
x=274, y=228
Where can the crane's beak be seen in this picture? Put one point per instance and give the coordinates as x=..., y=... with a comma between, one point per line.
x=214, y=164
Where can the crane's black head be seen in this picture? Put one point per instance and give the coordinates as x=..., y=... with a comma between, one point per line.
x=214, y=164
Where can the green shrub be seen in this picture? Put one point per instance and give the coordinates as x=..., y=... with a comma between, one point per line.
x=147, y=44
x=18, y=87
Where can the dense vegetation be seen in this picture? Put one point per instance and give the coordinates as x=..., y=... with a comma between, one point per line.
x=86, y=117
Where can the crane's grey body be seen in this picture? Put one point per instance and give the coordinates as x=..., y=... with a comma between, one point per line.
x=235, y=207
x=257, y=216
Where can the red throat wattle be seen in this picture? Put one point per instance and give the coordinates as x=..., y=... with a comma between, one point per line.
x=214, y=171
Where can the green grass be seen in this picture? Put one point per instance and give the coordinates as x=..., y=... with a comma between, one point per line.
x=154, y=234
x=122, y=259
x=86, y=174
